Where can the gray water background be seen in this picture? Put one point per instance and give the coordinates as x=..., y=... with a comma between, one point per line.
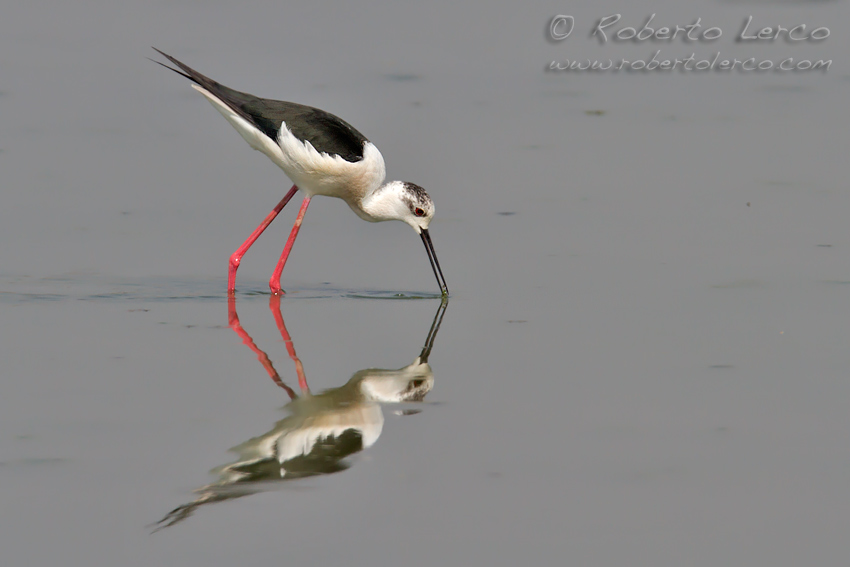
x=644, y=363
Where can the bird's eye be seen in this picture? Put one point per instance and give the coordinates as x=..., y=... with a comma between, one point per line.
x=419, y=212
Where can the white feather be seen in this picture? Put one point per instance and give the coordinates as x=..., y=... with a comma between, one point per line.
x=315, y=173
x=250, y=133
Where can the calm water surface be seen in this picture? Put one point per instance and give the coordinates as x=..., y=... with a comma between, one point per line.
x=643, y=362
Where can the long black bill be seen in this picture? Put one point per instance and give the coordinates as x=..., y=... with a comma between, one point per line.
x=435, y=264
x=435, y=326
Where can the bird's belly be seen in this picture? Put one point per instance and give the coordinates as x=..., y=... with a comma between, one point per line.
x=314, y=182
x=327, y=176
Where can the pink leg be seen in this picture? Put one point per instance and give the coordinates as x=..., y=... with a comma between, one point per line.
x=233, y=323
x=274, y=305
x=236, y=257
x=274, y=283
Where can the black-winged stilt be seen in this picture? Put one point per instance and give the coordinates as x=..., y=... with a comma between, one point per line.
x=322, y=155
x=322, y=429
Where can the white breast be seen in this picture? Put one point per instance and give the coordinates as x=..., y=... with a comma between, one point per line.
x=322, y=174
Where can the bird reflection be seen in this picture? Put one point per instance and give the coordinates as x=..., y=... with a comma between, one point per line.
x=321, y=430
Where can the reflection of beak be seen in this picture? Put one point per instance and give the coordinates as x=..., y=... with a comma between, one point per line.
x=435, y=264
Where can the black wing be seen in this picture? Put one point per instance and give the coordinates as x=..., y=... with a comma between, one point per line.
x=326, y=132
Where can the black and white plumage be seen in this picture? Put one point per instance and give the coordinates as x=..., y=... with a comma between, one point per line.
x=322, y=155
x=322, y=429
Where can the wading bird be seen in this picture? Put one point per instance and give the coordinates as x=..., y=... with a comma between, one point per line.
x=322, y=155
x=322, y=430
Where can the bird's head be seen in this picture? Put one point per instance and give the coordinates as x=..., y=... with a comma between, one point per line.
x=409, y=203
x=408, y=384
x=404, y=201
x=419, y=206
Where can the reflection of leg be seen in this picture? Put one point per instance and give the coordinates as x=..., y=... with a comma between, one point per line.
x=274, y=283
x=233, y=323
x=274, y=305
x=236, y=257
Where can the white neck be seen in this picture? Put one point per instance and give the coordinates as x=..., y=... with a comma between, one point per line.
x=382, y=204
